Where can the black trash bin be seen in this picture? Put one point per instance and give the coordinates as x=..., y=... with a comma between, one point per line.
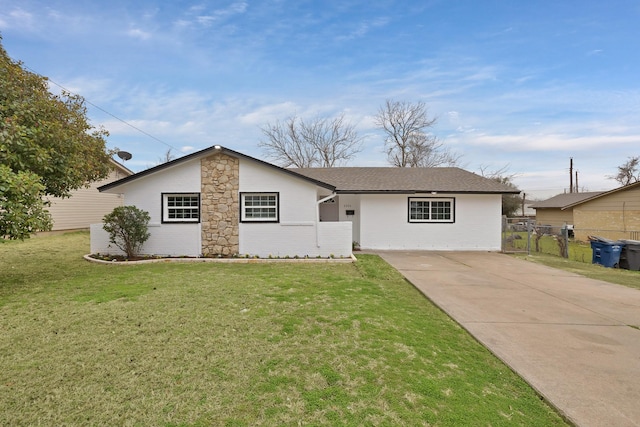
x=606, y=252
x=630, y=256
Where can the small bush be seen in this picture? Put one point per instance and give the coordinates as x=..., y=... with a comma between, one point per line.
x=128, y=228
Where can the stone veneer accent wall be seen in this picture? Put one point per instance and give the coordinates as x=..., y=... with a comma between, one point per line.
x=219, y=205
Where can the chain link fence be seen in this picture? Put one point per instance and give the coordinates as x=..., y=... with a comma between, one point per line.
x=516, y=235
x=525, y=235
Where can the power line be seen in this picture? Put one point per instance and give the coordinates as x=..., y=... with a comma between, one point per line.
x=104, y=111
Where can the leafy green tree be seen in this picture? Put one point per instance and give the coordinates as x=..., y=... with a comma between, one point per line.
x=47, y=148
x=22, y=211
x=128, y=228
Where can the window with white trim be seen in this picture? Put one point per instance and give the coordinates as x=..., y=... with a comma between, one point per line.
x=181, y=207
x=259, y=207
x=431, y=210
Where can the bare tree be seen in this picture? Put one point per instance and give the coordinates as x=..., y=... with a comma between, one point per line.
x=510, y=202
x=628, y=172
x=321, y=142
x=407, y=142
x=501, y=174
x=286, y=145
x=166, y=157
x=427, y=151
x=335, y=140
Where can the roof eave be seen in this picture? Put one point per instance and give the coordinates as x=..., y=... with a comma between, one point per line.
x=426, y=192
x=121, y=167
x=606, y=193
x=202, y=153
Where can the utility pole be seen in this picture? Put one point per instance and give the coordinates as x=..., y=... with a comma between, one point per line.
x=577, y=186
x=571, y=175
x=524, y=196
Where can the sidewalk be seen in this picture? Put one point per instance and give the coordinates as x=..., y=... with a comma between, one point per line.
x=575, y=340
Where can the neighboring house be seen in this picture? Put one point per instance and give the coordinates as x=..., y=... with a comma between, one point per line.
x=529, y=211
x=87, y=206
x=218, y=202
x=557, y=211
x=613, y=214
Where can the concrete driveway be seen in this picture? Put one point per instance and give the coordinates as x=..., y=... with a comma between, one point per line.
x=575, y=340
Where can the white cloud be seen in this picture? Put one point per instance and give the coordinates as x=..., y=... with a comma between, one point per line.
x=364, y=27
x=524, y=79
x=129, y=127
x=454, y=117
x=270, y=113
x=485, y=73
x=182, y=23
x=198, y=16
x=138, y=34
x=17, y=18
x=234, y=9
x=551, y=141
x=195, y=9
x=68, y=20
x=205, y=21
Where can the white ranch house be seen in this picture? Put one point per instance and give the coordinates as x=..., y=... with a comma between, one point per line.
x=218, y=202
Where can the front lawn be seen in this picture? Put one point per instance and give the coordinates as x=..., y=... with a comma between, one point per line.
x=237, y=345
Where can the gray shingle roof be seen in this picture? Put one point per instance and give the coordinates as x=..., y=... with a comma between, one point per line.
x=359, y=179
x=404, y=180
x=562, y=200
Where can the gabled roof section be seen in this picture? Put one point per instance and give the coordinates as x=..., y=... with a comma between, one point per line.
x=606, y=193
x=382, y=180
x=121, y=167
x=565, y=200
x=204, y=153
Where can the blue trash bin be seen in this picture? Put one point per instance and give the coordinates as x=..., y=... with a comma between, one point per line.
x=606, y=252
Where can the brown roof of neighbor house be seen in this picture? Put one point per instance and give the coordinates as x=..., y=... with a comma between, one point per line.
x=404, y=180
x=563, y=200
x=606, y=193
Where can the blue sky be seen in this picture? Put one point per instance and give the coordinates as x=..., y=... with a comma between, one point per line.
x=527, y=84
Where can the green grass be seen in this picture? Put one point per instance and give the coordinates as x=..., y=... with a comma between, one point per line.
x=237, y=345
x=594, y=271
x=578, y=251
x=579, y=261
